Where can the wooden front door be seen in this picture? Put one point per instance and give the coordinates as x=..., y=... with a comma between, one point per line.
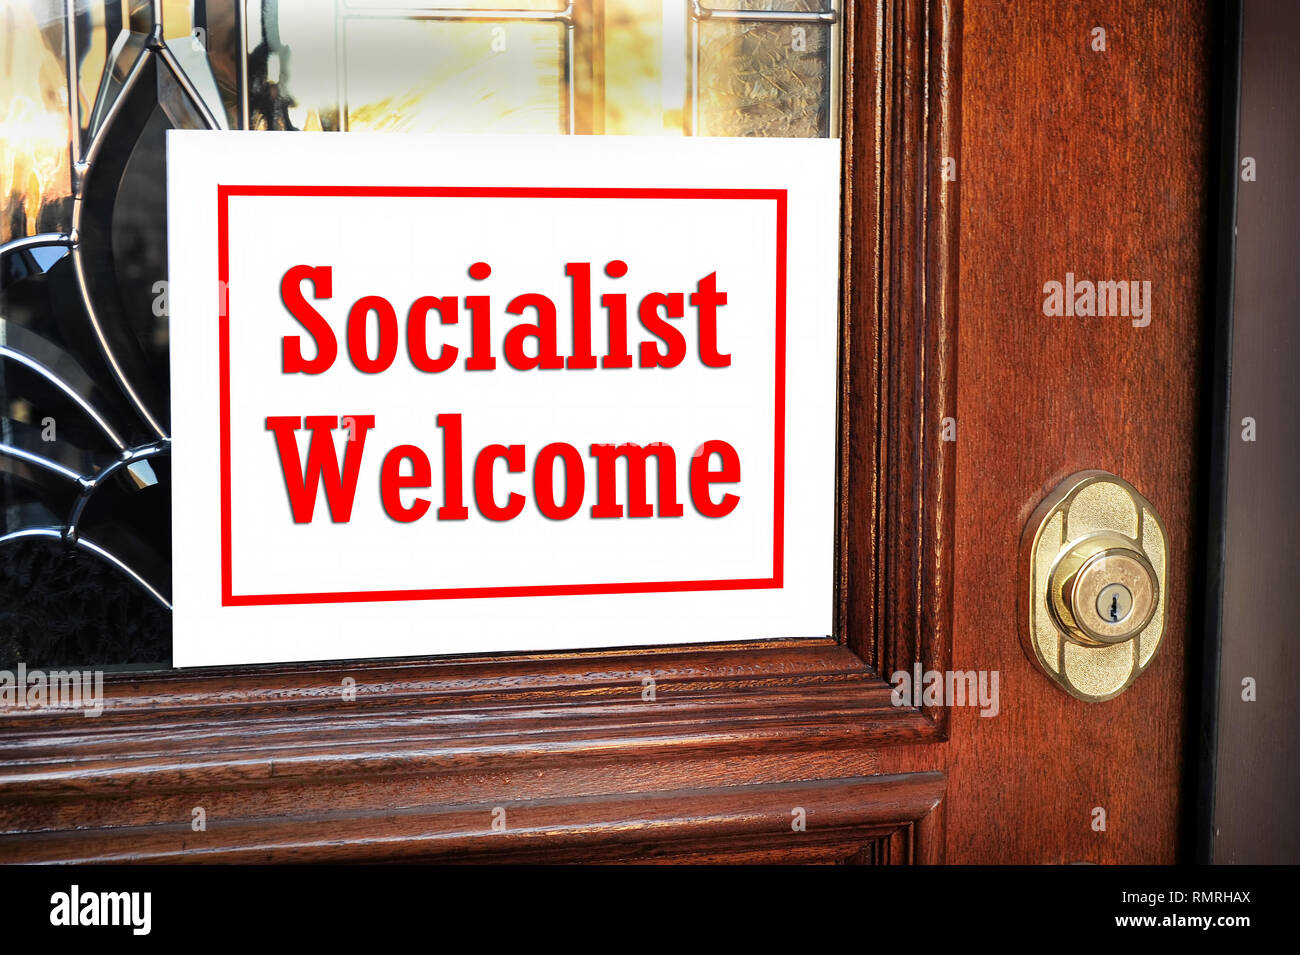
x=989, y=149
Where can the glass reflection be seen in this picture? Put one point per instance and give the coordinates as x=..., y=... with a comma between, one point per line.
x=35, y=185
x=461, y=77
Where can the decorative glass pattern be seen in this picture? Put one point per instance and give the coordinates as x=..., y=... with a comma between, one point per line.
x=764, y=79
x=88, y=89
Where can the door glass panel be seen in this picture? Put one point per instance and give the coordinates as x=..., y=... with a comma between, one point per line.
x=624, y=67
x=84, y=506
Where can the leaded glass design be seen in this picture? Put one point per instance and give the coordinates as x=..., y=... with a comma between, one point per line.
x=88, y=89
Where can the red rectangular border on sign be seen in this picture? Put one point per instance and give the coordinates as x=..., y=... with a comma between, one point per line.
x=230, y=599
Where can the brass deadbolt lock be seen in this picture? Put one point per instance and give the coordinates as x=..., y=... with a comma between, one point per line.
x=1094, y=559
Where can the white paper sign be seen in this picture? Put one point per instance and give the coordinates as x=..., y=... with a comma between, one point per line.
x=438, y=395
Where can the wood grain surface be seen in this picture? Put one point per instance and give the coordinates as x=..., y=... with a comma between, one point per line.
x=873, y=820
x=1093, y=163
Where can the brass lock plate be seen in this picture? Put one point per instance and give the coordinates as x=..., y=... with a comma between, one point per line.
x=1094, y=564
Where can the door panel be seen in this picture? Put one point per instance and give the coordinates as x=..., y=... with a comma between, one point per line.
x=1095, y=163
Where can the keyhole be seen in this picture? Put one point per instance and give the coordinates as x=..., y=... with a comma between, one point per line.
x=1113, y=604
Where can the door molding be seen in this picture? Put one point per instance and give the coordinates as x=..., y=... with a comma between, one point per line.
x=872, y=820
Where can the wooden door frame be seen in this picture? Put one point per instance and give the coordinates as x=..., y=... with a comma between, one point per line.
x=284, y=742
